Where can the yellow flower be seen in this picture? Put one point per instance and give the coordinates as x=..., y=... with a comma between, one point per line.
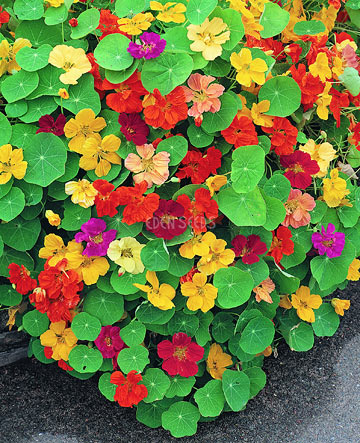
x=11, y=164
x=53, y=219
x=340, y=305
x=353, y=272
x=201, y=294
x=99, y=154
x=218, y=257
x=257, y=115
x=334, y=189
x=208, y=37
x=337, y=68
x=285, y=302
x=248, y=70
x=55, y=3
x=323, y=102
x=215, y=183
x=137, y=24
x=320, y=68
x=8, y=54
x=158, y=296
x=83, y=126
x=327, y=16
x=82, y=192
x=62, y=92
x=126, y=253
x=217, y=361
x=193, y=247
x=72, y=60
x=251, y=25
x=168, y=12
x=323, y=154
x=89, y=268
x=54, y=247
x=305, y=303
x=60, y=339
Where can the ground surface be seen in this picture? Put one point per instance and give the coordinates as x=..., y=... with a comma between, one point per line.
x=309, y=397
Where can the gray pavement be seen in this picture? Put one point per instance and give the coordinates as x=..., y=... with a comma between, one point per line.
x=311, y=397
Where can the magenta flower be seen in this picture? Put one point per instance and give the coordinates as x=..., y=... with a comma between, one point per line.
x=329, y=242
x=152, y=46
x=167, y=222
x=97, y=240
x=134, y=128
x=109, y=341
x=48, y=124
x=248, y=248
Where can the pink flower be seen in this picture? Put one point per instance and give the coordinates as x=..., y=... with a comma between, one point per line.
x=154, y=169
x=109, y=341
x=203, y=95
x=297, y=208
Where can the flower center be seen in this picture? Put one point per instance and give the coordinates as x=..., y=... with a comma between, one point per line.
x=328, y=243
x=297, y=168
x=291, y=206
x=127, y=253
x=108, y=341
x=148, y=164
x=180, y=352
x=68, y=65
x=84, y=129
x=97, y=239
x=167, y=218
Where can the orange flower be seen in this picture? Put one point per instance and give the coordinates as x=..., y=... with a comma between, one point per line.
x=263, y=291
x=165, y=111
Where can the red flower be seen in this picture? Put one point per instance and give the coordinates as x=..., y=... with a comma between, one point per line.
x=241, y=132
x=199, y=167
x=128, y=392
x=167, y=221
x=138, y=208
x=20, y=277
x=127, y=95
x=106, y=200
x=189, y=275
x=248, y=248
x=267, y=44
x=338, y=100
x=134, y=128
x=281, y=244
x=48, y=352
x=299, y=168
x=180, y=355
x=4, y=16
x=293, y=51
x=96, y=74
x=196, y=210
x=58, y=292
x=310, y=86
x=283, y=136
x=48, y=124
x=165, y=111
x=109, y=24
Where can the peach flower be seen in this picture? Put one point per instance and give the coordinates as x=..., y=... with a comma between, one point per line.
x=297, y=208
x=203, y=95
x=154, y=169
x=263, y=291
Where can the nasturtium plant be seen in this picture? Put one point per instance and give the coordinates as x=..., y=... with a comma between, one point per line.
x=178, y=192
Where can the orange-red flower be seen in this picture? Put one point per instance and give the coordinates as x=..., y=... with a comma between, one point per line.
x=128, y=391
x=241, y=132
x=165, y=111
x=281, y=244
x=283, y=136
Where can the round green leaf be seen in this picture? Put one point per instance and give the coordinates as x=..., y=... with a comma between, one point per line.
x=284, y=95
x=222, y=327
x=313, y=27
x=236, y=387
x=198, y=137
x=177, y=41
x=348, y=216
x=106, y=387
x=198, y=10
x=181, y=419
x=37, y=108
x=84, y=359
x=125, y=283
x=12, y=204
x=29, y=9
x=134, y=358
x=20, y=134
x=88, y=21
x=234, y=287
x=180, y=386
x=278, y=187
x=165, y=72
x=85, y=326
x=179, y=265
x=259, y=271
x=125, y=8
x=71, y=167
x=222, y=119
x=248, y=167
x=38, y=351
x=210, y=399
x=74, y=216
x=202, y=335
x=33, y=193
x=257, y=335
x=300, y=338
x=49, y=83
x=243, y=209
x=46, y=157
x=35, y=323
x=8, y=296
x=275, y=212
x=274, y=19
x=176, y=146
x=233, y=19
x=155, y=255
x=133, y=334
x=147, y=313
x=257, y=379
x=54, y=16
x=123, y=229
x=38, y=33
x=20, y=234
x=150, y=413
x=326, y=321
x=182, y=322
x=111, y=53
x=32, y=59
x=16, y=109
x=108, y=308
x=157, y=383
x=5, y=188
x=6, y=131
x=121, y=76
x=351, y=80
x=18, y=86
